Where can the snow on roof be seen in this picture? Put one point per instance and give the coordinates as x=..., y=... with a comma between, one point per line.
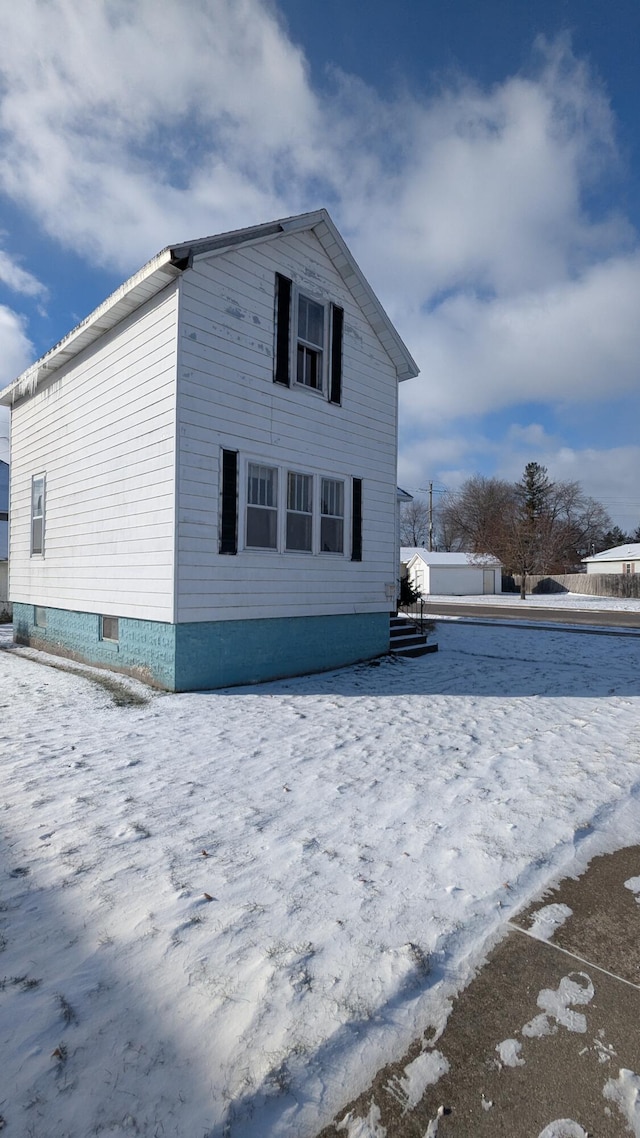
x=170, y=263
x=407, y=553
x=629, y=552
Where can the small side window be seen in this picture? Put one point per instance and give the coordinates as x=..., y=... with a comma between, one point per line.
x=39, y=616
x=38, y=483
x=109, y=628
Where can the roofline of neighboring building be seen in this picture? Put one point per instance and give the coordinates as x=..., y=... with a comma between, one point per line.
x=478, y=560
x=627, y=552
x=171, y=262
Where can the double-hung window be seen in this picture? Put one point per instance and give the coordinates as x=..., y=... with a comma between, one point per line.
x=299, y=512
x=38, y=483
x=331, y=516
x=262, y=506
x=308, y=337
x=310, y=343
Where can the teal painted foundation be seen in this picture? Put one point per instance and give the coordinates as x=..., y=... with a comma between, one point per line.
x=211, y=654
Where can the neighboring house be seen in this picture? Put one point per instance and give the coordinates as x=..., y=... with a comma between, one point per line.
x=457, y=574
x=203, y=471
x=621, y=559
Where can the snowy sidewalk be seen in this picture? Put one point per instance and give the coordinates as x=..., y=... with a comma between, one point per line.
x=544, y=1042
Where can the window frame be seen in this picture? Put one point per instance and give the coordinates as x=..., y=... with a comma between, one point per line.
x=297, y=341
x=110, y=639
x=332, y=516
x=39, y=616
x=248, y=505
x=38, y=517
x=310, y=513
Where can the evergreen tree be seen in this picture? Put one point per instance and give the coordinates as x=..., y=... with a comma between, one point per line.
x=614, y=537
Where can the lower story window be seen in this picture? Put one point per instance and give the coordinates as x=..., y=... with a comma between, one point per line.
x=331, y=516
x=109, y=628
x=299, y=512
x=39, y=616
x=262, y=506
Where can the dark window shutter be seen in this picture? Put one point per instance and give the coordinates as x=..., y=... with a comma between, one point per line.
x=229, y=515
x=282, y=325
x=335, y=386
x=356, y=520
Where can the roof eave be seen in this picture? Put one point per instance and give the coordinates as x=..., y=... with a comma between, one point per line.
x=147, y=282
x=171, y=262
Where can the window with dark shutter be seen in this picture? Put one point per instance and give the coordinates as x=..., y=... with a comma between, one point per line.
x=335, y=383
x=282, y=327
x=229, y=503
x=356, y=520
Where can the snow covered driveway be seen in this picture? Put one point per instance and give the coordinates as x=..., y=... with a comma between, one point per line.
x=221, y=913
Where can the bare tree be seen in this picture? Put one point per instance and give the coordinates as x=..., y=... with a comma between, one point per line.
x=532, y=526
x=414, y=523
x=470, y=518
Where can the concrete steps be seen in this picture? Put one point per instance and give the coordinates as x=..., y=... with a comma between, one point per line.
x=405, y=638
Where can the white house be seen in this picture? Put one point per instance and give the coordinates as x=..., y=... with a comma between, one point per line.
x=203, y=472
x=621, y=559
x=458, y=574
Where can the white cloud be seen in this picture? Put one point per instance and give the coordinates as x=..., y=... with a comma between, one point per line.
x=574, y=341
x=127, y=126
x=16, y=352
x=18, y=279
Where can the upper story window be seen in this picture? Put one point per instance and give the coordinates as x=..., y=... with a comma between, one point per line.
x=308, y=341
x=38, y=486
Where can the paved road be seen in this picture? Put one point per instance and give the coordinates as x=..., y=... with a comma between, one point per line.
x=605, y=618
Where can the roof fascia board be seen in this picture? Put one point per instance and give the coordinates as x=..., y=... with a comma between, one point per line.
x=155, y=275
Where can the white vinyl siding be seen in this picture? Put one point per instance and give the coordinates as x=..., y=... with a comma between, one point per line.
x=227, y=399
x=104, y=429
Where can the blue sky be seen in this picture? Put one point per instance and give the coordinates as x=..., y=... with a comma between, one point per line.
x=481, y=158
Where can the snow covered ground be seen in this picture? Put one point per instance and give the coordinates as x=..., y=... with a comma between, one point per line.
x=221, y=913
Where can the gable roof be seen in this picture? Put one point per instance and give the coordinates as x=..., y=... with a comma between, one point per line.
x=455, y=560
x=172, y=261
x=629, y=552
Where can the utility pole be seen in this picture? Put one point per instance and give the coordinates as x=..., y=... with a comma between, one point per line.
x=430, y=517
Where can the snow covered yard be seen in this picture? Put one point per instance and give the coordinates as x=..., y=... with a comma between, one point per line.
x=221, y=913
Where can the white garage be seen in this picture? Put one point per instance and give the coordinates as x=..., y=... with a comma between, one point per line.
x=453, y=574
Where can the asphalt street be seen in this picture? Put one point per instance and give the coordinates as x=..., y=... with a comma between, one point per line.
x=604, y=618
